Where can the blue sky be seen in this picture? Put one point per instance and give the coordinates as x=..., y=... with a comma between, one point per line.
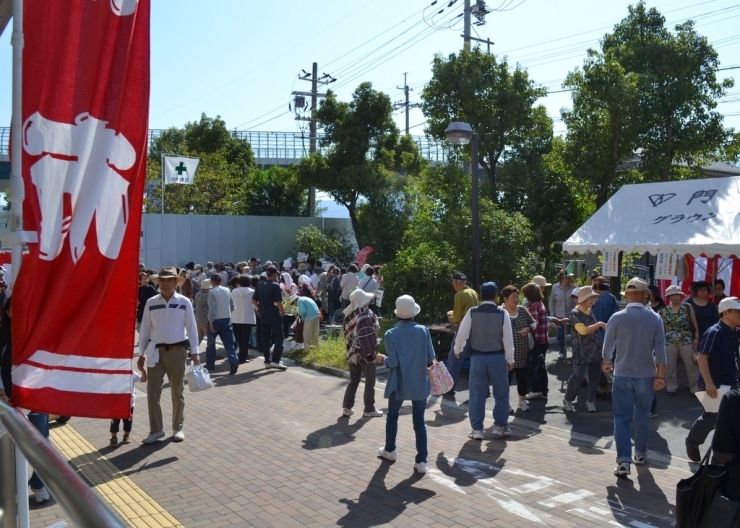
x=241, y=59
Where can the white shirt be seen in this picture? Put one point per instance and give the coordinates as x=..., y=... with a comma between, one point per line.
x=168, y=322
x=464, y=331
x=243, y=308
x=348, y=283
x=315, y=281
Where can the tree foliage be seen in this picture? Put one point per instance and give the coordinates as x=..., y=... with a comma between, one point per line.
x=275, y=192
x=318, y=244
x=677, y=86
x=225, y=162
x=438, y=241
x=364, y=151
x=476, y=88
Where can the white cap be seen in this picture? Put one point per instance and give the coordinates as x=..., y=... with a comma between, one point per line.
x=729, y=303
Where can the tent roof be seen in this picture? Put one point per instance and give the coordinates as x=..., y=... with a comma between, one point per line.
x=692, y=216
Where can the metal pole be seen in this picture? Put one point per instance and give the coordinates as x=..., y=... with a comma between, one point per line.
x=466, y=29
x=312, y=129
x=161, y=163
x=406, y=90
x=16, y=192
x=476, y=213
x=83, y=506
x=21, y=488
x=8, y=510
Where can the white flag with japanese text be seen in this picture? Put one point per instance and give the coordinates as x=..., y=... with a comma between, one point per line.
x=180, y=169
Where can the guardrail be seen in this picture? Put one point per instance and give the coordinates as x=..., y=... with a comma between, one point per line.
x=82, y=505
x=272, y=147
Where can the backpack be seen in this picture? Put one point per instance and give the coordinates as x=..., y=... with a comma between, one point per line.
x=364, y=341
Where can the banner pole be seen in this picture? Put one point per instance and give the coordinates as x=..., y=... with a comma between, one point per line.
x=16, y=192
x=161, y=163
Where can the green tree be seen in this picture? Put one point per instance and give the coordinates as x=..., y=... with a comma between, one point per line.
x=476, y=88
x=317, y=243
x=363, y=150
x=275, y=192
x=438, y=241
x=677, y=86
x=602, y=125
x=218, y=188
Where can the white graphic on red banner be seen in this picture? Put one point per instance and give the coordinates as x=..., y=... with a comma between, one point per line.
x=123, y=7
x=87, y=174
x=85, y=109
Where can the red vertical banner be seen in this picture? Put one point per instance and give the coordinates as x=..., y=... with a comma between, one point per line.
x=85, y=119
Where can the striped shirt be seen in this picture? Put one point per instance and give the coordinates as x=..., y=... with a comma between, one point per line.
x=168, y=322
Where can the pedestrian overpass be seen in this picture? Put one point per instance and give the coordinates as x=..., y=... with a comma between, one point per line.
x=270, y=148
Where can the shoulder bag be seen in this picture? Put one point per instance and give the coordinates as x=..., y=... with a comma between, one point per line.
x=695, y=493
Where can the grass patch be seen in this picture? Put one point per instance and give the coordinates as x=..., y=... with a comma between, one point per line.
x=331, y=352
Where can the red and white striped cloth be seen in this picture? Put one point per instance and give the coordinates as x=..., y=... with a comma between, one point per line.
x=708, y=269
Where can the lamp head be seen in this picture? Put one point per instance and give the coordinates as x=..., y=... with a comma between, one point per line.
x=459, y=133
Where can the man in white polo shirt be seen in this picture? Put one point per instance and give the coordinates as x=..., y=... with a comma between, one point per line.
x=168, y=325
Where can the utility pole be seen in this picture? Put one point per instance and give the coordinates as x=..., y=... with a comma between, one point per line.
x=300, y=103
x=401, y=104
x=479, y=11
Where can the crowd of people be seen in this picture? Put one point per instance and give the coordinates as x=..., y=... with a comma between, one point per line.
x=624, y=354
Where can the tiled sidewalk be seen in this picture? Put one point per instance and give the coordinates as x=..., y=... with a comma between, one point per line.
x=268, y=448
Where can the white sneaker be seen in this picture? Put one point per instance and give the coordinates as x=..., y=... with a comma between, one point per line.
x=534, y=396
x=476, y=435
x=568, y=406
x=280, y=365
x=385, y=454
x=41, y=495
x=373, y=414
x=590, y=407
x=153, y=437
x=639, y=459
x=178, y=436
x=623, y=468
x=347, y=412
x=501, y=431
x=421, y=467
x=523, y=406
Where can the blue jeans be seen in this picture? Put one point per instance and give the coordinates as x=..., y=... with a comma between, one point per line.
x=210, y=349
x=41, y=422
x=420, y=429
x=223, y=330
x=631, y=398
x=454, y=364
x=487, y=370
x=561, y=338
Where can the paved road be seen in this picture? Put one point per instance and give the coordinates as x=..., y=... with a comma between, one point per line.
x=669, y=429
x=267, y=448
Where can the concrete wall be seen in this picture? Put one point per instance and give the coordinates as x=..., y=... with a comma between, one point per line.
x=174, y=240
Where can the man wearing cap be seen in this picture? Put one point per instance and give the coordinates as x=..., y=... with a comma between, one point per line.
x=465, y=299
x=268, y=299
x=168, y=325
x=718, y=351
x=491, y=357
x=637, y=336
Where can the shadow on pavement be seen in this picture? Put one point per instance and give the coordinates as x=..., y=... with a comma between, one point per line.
x=380, y=505
x=472, y=464
x=449, y=413
x=128, y=459
x=334, y=435
x=623, y=495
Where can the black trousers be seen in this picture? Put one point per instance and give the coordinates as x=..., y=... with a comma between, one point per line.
x=536, y=368
x=242, y=332
x=271, y=331
x=127, y=423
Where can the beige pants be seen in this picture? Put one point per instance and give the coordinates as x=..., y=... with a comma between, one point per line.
x=686, y=352
x=172, y=363
x=311, y=332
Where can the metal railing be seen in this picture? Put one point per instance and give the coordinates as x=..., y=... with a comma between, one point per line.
x=288, y=147
x=82, y=505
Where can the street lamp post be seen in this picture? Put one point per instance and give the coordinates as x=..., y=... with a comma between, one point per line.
x=461, y=134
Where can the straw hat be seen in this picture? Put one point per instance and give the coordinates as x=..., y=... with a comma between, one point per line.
x=540, y=281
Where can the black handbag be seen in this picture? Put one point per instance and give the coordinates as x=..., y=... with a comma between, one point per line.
x=695, y=494
x=722, y=513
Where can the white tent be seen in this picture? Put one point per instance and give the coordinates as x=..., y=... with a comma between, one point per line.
x=684, y=217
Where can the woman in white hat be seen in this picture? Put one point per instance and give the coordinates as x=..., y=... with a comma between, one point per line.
x=586, y=350
x=410, y=352
x=681, y=338
x=361, y=344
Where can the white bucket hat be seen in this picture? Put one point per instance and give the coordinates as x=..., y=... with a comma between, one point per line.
x=585, y=293
x=406, y=307
x=673, y=290
x=206, y=284
x=539, y=280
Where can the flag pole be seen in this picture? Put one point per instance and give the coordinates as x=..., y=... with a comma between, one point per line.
x=161, y=167
x=16, y=192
